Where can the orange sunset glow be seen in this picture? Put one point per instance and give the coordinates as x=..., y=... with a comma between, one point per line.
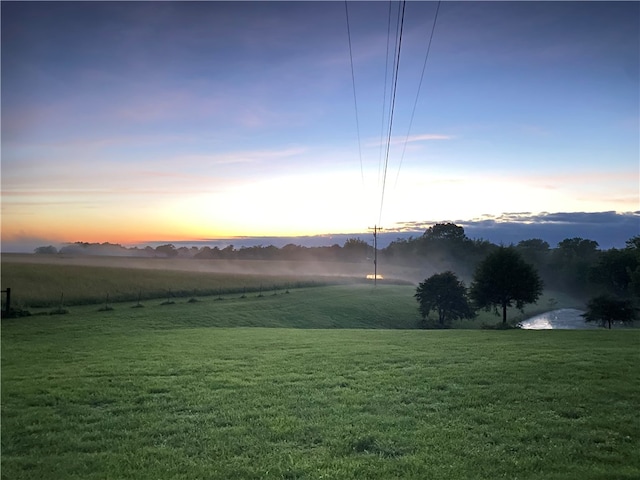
x=117, y=144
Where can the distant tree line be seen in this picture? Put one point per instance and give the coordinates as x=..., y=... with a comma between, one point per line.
x=353, y=250
x=575, y=266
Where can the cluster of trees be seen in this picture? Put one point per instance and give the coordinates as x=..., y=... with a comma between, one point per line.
x=609, y=280
x=353, y=250
x=567, y=267
x=503, y=279
x=508, y=276
x=575, y=266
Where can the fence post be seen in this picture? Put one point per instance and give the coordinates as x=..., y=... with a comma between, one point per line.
x=8, y=303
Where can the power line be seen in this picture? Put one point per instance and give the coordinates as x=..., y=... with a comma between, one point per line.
x=384, y=144
x=415, y=103
x=395, y=68
x=393, y=102
x=384, y=91
x=353, y=81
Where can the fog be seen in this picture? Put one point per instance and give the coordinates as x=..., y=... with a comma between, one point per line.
x=235, y=266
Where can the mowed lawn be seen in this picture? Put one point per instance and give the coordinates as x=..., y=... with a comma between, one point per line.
x=96, y=395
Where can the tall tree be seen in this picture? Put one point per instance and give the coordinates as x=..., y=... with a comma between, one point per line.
x=356, y=250
x=633, y=246
x=614, y=271
x=571, y=261
x=606, y=309
x=534, y=251
x=168, y=250
x=504, y=279
x=446, y=295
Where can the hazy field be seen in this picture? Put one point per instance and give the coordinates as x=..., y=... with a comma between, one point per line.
x=249, y=267
x=41, y=280
x=340, y=386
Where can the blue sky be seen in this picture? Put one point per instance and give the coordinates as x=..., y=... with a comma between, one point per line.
x=131, y=122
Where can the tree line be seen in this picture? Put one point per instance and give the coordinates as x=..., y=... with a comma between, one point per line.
x=353, y=250
x=607, y=280
x=575, y=266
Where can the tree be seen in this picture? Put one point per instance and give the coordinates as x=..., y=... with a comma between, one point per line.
x=571, y=261
x=445, y=294
x=633, y=243
x=168, y=250
x=614, y=271
x=504, y=279
x=577, y=247
x=445, y=231
x=633, y=246
x=534, y=251
x=48, y=250
x=607, y=309
x=355, y=249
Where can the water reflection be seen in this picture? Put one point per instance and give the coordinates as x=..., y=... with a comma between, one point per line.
x=565, y=318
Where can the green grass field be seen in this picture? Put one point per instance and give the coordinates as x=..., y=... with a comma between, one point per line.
x=341, y=385
x=39, y=282
x=84, y=400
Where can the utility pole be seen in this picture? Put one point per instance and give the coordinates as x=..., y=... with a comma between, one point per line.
x=375, y=229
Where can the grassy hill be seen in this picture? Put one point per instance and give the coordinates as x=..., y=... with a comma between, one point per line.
x=40, y=283
x=341, y=384
x=91, y=399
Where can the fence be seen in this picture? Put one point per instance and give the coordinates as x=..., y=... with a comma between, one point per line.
x=7, y=303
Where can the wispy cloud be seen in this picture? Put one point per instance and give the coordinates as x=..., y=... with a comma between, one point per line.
x=423, y=137
x=237, y=166
x=85, y=181
x=101, y=142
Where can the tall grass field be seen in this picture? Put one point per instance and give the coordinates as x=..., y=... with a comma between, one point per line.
x=44, y=285
x=340, y=385
x=40, y=281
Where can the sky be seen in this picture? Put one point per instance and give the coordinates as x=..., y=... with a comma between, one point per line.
x=135, y=122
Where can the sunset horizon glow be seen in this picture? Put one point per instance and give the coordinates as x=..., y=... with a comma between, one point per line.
x=128, y=122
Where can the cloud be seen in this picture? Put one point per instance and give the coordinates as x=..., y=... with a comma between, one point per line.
x=22, y=242
x=109, y=172
x=610, y=229
x=568, y=218
x=238, y=157
x=96, y=142
x=423, y=137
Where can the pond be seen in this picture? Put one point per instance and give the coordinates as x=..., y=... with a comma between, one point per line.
x=565, y=318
